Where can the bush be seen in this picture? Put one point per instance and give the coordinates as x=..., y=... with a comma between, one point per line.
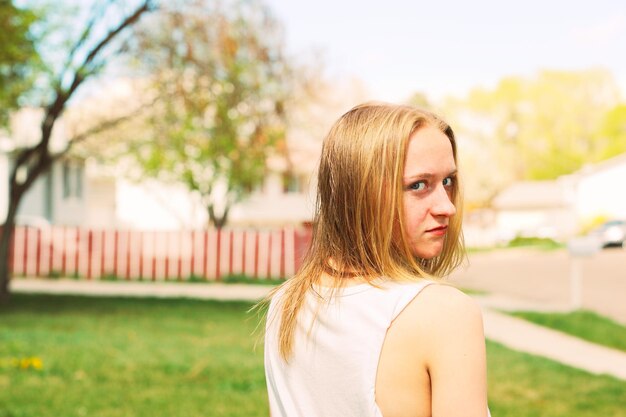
x=541, y=242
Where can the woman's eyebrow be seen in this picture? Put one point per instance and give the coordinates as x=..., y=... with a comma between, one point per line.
x=428, y=175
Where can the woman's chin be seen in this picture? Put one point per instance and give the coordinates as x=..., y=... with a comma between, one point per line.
x=428, y=252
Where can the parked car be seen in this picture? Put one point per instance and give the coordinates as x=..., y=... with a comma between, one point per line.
x=611, y=233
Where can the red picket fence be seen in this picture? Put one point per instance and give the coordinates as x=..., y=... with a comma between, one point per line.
x=157, y=255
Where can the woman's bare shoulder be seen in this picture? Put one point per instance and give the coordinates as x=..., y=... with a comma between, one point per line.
x=442, y=308
x=445, y=298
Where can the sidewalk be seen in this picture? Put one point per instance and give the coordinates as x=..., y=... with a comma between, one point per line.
x=509, y=331
x=528, y=337
x=213, y=291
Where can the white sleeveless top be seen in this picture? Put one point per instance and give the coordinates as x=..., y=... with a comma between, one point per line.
x=333, y=372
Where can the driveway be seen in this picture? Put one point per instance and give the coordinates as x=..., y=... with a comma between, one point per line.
x=544, y=277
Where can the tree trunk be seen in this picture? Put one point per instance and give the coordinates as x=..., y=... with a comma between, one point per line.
x=218, y=221
x=38, y=159
x=6, y=238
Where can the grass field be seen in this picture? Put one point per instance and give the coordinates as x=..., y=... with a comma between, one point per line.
x=154, y=357
x=583, y=324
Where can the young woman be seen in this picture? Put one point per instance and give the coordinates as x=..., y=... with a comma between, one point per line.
x=366, y=328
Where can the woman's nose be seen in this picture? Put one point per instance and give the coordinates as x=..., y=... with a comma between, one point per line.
x=442, y=205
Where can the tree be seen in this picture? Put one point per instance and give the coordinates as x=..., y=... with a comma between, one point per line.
x=420, y=99
x=222, y=83
x=610, y=137
x=87, y=57
x=19, y=60
x=550, y=122
x=535, y=128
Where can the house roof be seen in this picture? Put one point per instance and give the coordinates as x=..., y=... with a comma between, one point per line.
x=525, y=195
x=531, y=195
x=590, y=169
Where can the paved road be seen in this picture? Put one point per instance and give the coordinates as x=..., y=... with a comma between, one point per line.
x=543, y=277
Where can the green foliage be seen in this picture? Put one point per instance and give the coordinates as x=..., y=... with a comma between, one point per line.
x=612, y=132
x=537, y=128
x=591, y=223
x=19, y=59
x=157, y=357
x=420, y=99
x=584, y=324
x=191, y=279
x=244, y=279
x=54, y=274
x=110, y=278
x=222, y=83
x=535, y=242
x=539, y=243
x=556, y=116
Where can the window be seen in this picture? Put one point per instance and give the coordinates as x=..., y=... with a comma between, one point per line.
x=67, y=186
x=72, y=180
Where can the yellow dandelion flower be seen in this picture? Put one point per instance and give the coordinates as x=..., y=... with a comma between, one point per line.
x=36, y=363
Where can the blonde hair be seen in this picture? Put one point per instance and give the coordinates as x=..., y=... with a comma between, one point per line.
x=358, y=229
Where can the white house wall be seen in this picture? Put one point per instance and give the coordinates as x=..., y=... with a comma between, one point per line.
x=156, y=206
x=602, y=193
x=69, y=211
x=557, y=223
x=33, y=203
x=26, y=129
x=63, y=211
x=45, y=198
x=100, y=203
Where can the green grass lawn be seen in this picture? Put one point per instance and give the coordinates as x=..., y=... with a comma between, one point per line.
x=583, y=324
x=522, y=385
x=130, y=357
x=156, y=357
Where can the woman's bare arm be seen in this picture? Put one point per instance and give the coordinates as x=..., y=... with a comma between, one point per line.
x=455, y=358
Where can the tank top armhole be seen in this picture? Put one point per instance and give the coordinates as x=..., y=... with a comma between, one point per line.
x=406, y=296
x=274, y=308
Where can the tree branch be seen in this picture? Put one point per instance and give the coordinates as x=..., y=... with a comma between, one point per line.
x=106, y=125
x=54, y=110
x=128, y=21
x=79, y=43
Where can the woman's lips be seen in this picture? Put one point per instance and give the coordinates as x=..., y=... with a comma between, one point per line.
x=438, y=231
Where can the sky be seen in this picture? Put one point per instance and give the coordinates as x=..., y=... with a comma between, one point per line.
x=398, y=47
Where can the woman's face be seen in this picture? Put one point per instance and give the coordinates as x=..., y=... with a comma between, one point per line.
x=428, y=183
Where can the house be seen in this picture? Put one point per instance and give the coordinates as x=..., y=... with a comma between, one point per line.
x=535, y=208
x=286, y=196
x=113, y=201
x=559, y=208
x=79, y=192
x=600, y=189
x=57, y=196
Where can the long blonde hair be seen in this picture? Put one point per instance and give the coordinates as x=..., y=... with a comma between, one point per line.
x=358, y=229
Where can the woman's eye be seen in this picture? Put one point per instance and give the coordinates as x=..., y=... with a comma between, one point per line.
x=448, y=182
x=418, y=186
